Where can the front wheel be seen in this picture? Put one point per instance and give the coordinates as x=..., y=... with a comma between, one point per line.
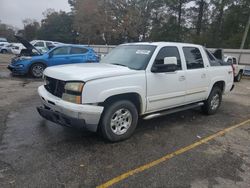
x=212, y=104
x=37, y=69
x=238, y=77
x=119, y=121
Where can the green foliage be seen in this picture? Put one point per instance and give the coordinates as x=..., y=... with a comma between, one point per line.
x=31, y=29
x=57, y=26
x=212, y=23
x=7, y=31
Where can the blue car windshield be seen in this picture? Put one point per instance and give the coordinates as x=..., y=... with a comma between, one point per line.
x=132, y=56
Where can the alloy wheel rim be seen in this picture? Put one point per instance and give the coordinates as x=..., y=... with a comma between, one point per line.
x=239, y=78
x=37, y=70
x=121, y=121
x=215, y=102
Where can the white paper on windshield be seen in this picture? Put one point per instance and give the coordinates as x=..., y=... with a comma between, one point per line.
x=143, y=52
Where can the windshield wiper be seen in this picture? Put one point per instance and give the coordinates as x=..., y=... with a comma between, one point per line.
x=119, y=64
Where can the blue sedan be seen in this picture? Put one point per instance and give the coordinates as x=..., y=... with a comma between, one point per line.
x=36, y=63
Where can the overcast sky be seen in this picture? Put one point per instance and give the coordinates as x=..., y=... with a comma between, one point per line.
x=13, y=12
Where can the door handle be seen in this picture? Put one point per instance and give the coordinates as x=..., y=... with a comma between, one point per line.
x=203, y=75
x=182, y=78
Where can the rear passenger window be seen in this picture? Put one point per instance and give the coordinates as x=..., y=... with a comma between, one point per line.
x=169, y=51
x=193, y=58
x=210, y=56
x=75, y=50
x=234, y=61
x=229, y=61
x=39, y=44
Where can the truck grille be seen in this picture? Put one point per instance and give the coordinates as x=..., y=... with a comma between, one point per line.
x=55, y=87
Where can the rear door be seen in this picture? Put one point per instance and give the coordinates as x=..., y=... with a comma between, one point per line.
x=166, y=90
x=196, y=74
x=78, y=55
x=59, y=56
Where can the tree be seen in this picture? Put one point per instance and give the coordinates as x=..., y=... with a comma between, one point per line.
x=30, y=30
x=7, y=31
x=234, y=23
x=177, y=8
x=113, y=21
x=217, y=18
x=200, y=16
x=57, y=26
x=213, y=23
x=88, y=20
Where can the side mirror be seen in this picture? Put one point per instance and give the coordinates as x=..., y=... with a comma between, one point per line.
x=50, y=55
x=170, y=61
x=170, y=65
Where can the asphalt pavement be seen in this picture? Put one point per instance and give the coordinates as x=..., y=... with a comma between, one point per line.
x=37, y=153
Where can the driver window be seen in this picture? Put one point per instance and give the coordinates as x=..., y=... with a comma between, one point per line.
x=61, y=51
x=169, y=51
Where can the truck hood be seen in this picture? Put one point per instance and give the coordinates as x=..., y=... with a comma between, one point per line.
x=87, y=71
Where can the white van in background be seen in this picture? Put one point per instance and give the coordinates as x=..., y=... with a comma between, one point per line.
x=17, y=48
x=44, y=44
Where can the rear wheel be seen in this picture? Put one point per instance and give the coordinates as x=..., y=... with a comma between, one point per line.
x=212, y=104
x=119, y=121
x=238, y=77
x=4, y=51
x=37, y=69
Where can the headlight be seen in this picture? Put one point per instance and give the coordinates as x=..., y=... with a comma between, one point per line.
x=73, y=92
x=46, y=80
x=25, y=58
x=74, y=86
x=20, y=66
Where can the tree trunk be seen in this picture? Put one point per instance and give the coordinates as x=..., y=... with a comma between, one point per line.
x=179, y=18
x=220, y=19
x=200, y=17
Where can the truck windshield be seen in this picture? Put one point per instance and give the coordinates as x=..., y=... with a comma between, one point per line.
x=132, y=56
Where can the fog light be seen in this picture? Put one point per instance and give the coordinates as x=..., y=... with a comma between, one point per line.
x=71, y=98
x=20, y=66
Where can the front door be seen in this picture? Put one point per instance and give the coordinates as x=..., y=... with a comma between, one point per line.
x=166, y=90
x=59, y=56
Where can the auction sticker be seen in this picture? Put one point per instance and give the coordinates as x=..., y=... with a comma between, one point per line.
x=143, y=52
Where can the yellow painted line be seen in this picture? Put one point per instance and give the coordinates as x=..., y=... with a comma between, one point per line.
x=169, y=156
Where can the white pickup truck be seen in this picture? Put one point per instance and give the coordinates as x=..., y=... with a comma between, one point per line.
x=238, y=69
x=135, y=80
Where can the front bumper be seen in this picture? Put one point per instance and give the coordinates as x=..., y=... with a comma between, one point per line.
x=17, y=70
x=61, y=119
x=232, y=88
x=69, y=114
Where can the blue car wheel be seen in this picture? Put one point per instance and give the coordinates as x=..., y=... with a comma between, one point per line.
x=37, y=69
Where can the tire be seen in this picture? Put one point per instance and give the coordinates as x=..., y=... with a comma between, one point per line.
x=4, y=51
x=119, y=121
x=212, y=104
x=238, y=77
x=36, y=70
